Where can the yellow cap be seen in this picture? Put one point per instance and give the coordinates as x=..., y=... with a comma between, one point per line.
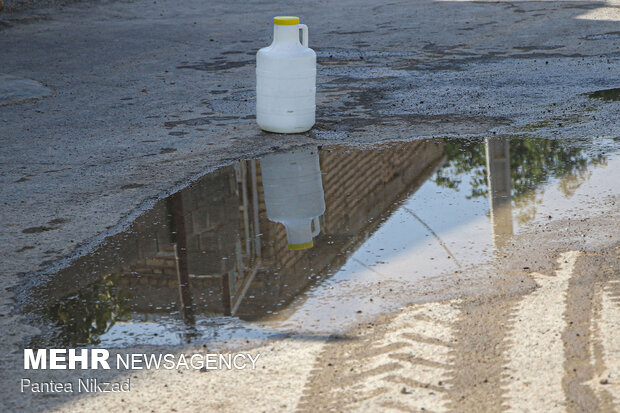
x=303, y=246
x=286, y=20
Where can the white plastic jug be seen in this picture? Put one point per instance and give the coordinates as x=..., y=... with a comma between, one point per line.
x=286, y=80
x=294, y=193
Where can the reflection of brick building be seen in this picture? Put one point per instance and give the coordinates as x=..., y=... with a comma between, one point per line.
x=361, y=187
x=207, y=218
x=212, y=246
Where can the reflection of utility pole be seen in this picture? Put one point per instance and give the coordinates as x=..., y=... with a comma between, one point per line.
x=429, y=229
x=180, y=252
x=498, y=178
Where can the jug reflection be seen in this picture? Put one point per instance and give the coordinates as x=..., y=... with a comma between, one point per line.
x=294, y=194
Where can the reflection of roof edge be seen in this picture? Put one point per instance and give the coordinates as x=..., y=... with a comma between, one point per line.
x=365, y=232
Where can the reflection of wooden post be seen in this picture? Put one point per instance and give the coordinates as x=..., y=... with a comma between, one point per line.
x=180, y=252
x=498, y=178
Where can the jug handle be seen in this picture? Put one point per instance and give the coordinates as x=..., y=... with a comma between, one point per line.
x=304, y=34
x=317, y=226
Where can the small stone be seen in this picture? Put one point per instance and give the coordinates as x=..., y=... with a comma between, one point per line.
x=604, y=381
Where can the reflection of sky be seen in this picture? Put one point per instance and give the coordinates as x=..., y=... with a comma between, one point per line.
x=405, y=249
x=402, y=252
x=603, y=182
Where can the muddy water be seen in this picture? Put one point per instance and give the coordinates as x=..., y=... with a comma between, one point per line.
x=209, y=264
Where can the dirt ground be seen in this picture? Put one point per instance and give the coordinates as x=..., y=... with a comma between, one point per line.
x=107, y=107
x=543, y=338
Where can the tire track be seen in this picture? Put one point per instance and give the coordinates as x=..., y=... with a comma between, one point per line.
x=536, y=349
x=577, y=339
x=479, y=359
x=401, y=366
x=605, y=347
x=554, y=348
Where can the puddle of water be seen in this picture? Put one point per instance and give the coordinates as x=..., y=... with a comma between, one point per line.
x=607, y=94
x=209, y=262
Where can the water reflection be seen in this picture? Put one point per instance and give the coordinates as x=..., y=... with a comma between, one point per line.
x=294, y=194
x=533, y=162
x=236, y=242
x=497, y=153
